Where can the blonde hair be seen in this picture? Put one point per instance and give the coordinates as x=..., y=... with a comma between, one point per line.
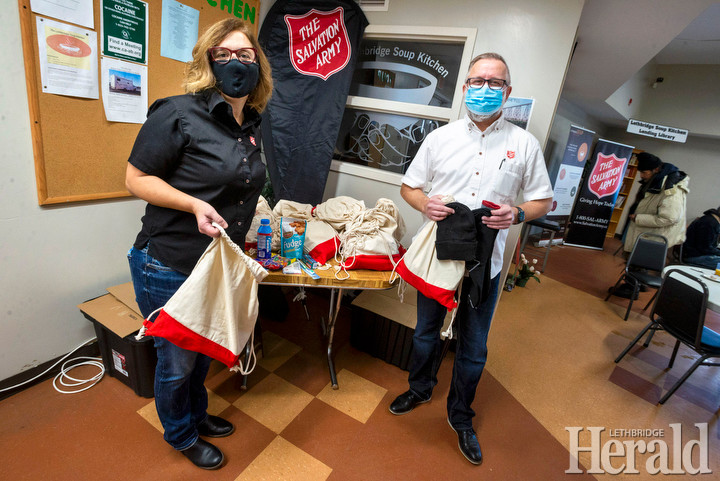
x=198, y=73
x=492, y=56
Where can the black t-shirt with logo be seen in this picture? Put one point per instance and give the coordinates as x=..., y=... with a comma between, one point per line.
x=193, y=143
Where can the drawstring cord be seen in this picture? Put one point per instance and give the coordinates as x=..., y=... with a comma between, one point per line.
x=448, y=333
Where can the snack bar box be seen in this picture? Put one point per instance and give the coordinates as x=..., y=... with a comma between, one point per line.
x=117, y=319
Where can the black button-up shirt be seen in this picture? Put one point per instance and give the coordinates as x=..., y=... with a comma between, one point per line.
x=193, y=142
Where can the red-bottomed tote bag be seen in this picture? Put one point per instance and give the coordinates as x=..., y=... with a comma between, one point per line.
x=214, y=311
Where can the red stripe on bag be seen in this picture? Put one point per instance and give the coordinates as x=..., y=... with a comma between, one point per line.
x=443, y=296
x=374, y=262
x=167, y=327
x=325, y=250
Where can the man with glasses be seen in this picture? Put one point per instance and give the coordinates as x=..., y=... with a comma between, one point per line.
x=479, y=157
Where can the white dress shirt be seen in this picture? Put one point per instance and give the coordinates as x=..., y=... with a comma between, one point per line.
x=459, y=159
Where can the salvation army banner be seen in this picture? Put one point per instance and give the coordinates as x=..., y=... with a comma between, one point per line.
x=596, y=200
x=571, y=169
x=312, y=48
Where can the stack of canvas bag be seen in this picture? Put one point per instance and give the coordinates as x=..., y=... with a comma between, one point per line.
x=371, y=240
x=341, y=228
x=321, y=241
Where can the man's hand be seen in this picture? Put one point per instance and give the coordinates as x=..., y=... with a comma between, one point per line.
x=206, y=215
x=435, y=209
x=632, y=217
x=501, y=218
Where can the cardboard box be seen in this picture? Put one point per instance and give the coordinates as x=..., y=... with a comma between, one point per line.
x=116, y=319
x=383, y=325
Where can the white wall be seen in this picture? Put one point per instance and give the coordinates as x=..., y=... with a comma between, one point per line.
x=53, y=258
x=628, y=99
x=688, y=97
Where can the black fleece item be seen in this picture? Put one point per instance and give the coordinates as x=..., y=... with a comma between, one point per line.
x=462, y=236
x=456, y=235
x=480, y=268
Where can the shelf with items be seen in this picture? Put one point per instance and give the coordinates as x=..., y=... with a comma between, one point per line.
x=622, y=199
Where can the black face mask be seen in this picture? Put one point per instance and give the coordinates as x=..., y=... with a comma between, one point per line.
x=236, y=79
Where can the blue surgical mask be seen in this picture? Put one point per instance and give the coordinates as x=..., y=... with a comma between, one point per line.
x=484, y=102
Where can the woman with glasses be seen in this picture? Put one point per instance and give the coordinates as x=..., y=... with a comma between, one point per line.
x=196, y=161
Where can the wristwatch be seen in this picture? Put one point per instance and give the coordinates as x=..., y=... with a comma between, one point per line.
x=520, y=216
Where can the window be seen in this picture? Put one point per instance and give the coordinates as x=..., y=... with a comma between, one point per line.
x=405, y=86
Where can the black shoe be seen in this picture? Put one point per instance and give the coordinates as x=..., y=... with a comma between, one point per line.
x=468, y=444
x=215, y=427
x=405, y=403
x=204, y=455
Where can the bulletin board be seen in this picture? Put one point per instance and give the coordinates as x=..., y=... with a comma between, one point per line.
x=79, y=155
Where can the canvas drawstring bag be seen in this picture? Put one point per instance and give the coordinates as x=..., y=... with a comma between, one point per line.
x=214, y=311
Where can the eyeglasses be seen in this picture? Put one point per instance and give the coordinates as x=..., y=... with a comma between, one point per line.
x=492, y=83
x=223, y=55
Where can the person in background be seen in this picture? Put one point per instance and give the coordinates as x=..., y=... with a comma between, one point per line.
x=479, y=157
x=703, y=235
x=196, y=161
x=659, y=206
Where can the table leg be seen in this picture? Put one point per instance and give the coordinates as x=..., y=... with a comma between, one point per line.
x=336, y=296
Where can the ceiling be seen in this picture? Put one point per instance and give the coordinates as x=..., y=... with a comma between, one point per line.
x=616, y=38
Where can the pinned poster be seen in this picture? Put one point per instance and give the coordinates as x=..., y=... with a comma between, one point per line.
x=124, y=91
x=599, y=190
x=68, y=59
x=79, y=12
x=125, y=29
x=571, y=169
x=178, y=31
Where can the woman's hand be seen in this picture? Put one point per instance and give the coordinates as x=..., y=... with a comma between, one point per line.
x=206, y=215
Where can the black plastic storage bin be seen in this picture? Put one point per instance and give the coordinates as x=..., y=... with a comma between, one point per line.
x=130, y=361
x=381, y=337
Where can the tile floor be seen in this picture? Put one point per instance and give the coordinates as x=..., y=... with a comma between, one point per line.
x=550, y=367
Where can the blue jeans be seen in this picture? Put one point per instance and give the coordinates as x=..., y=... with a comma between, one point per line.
x=181, y=399
x=472, y=326
x=709, y=261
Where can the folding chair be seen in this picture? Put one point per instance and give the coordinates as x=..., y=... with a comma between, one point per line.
x=644, y=267
x=680, y=311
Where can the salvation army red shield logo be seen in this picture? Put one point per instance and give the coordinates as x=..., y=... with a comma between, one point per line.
x=607, y=175
x=318, y=42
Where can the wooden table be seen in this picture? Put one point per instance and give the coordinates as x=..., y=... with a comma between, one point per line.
x=358, y=279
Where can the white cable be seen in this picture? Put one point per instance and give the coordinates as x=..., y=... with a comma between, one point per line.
x=92, y=361
x=48, y=369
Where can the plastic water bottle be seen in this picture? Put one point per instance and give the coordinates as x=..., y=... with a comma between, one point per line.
x=264, y=240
